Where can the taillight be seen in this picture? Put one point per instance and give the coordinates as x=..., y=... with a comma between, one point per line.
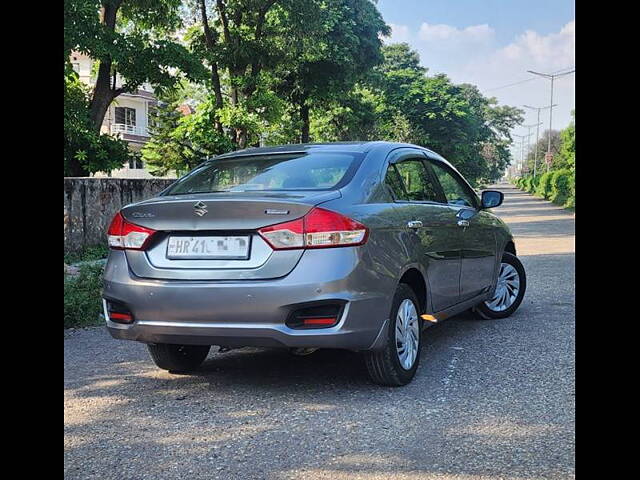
x=125, y=235
x=319, y=228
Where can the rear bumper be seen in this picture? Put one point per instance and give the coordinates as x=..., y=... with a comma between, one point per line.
x=253, y=313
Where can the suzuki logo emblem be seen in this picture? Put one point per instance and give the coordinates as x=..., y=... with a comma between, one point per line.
x=200, y=209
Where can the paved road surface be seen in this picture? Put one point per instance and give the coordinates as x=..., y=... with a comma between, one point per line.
x=492, y=399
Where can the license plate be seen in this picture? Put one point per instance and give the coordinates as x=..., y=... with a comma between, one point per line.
x=212, y=248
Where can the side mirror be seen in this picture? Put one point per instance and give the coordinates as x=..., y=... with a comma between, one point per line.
x=491, y=199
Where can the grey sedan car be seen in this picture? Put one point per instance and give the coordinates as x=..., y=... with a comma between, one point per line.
x=356, y=246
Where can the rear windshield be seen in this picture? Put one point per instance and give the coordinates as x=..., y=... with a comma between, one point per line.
x=293, y=171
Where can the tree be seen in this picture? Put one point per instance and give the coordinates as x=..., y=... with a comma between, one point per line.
x=457, y=121
x=543, y=144
x=237, y=38
x=567, y=155
x=351, y=117
x=335, y=43
x=85, y=150
x=130, y=40
x=179, y=142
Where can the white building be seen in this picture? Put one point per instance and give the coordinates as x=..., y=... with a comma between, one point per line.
x=127, y=117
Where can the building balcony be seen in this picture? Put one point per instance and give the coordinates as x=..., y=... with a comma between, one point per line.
x=125, y=130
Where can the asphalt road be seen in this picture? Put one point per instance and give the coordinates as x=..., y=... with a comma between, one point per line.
x=491, y=399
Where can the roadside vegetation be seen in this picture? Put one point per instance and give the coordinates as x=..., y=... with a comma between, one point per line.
x=558, y=184
x=83, y=286
x=87, y=254
x=83, y=296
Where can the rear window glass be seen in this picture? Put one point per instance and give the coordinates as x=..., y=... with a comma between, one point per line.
x=295, y=171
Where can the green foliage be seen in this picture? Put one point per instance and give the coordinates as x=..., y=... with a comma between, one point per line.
x=281, y=71
x=85, y=150
x=334, y=45
x=562, y=184
x=129, y=40
x=181, y=142
x=351, y=118
x=82, y=297
x=571, y=200
x=544, y=186
x=542, y=150
x=559, y=186
x=89, y=253
x=457, y=121
x=535, y=182
x=138, y=46
x=567, y=155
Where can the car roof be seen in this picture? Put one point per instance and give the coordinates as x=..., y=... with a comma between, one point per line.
x=358, y=147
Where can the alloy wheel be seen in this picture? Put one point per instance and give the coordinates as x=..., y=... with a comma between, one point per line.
x=407, y=334
x=506, y=290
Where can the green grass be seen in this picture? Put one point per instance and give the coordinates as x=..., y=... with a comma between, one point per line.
x=90, y=253
x=83, y=297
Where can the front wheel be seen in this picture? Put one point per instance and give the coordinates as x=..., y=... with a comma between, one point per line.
x=512, y=283
x=396, y=364
x=178, y=358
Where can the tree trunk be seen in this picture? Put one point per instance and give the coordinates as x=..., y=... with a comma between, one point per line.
x=304, y=116
x=211, y=39
x=103, y=94
x=243, y=138
x=215, y=79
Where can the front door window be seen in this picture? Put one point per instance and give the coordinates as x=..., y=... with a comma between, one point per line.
x=454, y=190
x=416, y=180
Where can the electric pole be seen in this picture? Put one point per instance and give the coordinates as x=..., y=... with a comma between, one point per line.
x=529, y=127
x=522, y=137
x=535, y=158
x=551, y=76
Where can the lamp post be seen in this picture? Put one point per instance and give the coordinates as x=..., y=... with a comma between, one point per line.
x=552, y=77
x=539, y=109
x=529, y=127
x=522, y=137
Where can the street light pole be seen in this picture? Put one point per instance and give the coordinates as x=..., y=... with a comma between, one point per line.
x=535, y=158
x=551, y=76
x=522, y=137
x=529, y=127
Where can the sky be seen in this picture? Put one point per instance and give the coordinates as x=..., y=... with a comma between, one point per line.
x=492, y=44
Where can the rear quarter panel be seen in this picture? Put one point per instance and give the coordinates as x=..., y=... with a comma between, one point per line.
x=386, y=254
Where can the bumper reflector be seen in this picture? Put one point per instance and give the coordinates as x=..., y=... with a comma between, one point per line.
x=123, y=317
x=324, y=315
x=325, y=322
x=429, y=318
x=116, y=312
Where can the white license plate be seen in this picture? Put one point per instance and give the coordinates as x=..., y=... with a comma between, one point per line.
x=213, y=248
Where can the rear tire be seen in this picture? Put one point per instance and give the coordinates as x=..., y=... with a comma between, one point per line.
x=178, y=358
x=388, y=366
x=511, y=273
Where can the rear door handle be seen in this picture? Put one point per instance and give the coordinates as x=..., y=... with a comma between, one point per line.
x=414, y=224
x=463, y=223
